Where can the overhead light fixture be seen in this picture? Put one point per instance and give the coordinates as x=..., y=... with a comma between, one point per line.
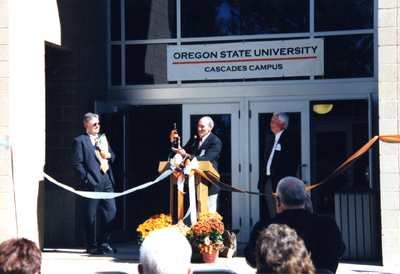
x=322, y=108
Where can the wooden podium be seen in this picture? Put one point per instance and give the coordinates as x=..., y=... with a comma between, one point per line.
x=201, y=183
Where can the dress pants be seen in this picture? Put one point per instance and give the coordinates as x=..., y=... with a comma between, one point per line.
x=107, y=210
x=267, y=202
x=213, y=203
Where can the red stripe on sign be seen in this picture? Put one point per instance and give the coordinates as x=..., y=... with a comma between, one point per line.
x=243, y=60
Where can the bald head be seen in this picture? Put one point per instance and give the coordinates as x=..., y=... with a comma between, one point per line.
x=204, y=126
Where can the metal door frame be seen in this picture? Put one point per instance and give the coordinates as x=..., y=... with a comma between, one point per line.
x=256, y=107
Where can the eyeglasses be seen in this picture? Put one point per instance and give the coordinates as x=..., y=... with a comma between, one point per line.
x=95, y=124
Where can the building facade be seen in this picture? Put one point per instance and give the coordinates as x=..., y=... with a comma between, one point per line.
x=110, y=57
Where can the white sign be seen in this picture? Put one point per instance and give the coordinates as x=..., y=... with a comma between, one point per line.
x=246, y=60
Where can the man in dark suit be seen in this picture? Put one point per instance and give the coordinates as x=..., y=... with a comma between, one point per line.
x=320, y=234
x=281, y=159
x=205, y=148
x=91, y=164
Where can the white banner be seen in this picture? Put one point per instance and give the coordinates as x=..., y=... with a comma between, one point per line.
x=246, y=60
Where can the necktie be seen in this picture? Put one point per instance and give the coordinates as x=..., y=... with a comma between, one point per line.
x=200, y=141
x=102, y=161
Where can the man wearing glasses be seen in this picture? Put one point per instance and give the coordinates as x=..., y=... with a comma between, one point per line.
x=90, y=160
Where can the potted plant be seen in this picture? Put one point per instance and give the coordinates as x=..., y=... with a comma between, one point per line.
x=206, y=234
x=159, y=222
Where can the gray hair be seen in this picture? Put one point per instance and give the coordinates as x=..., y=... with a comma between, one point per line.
x=283, y=117
x=291, y=191
x=165, y=251
x=89, y=116
x=210, y=121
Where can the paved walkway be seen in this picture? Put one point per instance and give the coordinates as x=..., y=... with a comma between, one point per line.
x=76, y=261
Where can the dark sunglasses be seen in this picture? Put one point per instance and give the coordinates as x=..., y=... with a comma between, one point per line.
x=95, y=124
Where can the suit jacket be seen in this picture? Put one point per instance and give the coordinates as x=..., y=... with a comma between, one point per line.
x=320, y=234
x=211, y=147
x=86, y=163
x=285, y=161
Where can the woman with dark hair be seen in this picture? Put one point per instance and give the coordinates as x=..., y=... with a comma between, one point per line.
x=20, y=255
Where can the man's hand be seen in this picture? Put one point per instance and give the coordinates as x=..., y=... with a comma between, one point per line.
x=105, y=154
x=179, y=141
x=179, y=150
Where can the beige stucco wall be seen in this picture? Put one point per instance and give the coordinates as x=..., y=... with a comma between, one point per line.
x=389, y=107
x=25, y=25
x=4, y=122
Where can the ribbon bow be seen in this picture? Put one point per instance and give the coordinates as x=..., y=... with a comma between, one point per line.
x=184, y=169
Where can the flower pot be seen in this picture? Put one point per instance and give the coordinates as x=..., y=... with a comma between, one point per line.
x=210, y=258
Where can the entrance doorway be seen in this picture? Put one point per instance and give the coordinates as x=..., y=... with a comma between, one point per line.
x=139, y=135
x=239, y=163
x=226, y=128
x=242, y=126
x=259, y=125
x=335, y=136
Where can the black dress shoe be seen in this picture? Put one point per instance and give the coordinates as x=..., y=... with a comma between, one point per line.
x=108, y=249
x=95, y=251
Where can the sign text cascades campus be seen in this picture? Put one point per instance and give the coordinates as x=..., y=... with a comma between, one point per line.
x=246, y=60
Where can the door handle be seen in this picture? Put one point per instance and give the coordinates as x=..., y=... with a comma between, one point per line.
x=299, y=171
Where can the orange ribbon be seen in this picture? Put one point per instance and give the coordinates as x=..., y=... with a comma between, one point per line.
x=199, y=171
x=207, y=248
x=361, y=151
x=178, y=173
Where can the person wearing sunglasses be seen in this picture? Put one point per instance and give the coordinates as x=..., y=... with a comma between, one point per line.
x=91, y=159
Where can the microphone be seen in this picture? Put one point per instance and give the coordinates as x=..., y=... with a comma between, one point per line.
x=194, y=142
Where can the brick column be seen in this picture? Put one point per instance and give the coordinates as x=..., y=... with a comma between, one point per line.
x=388, y=78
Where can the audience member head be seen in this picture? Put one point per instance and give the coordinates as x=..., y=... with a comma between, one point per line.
x=165, y=251
x=19, y=255
x=290, y=194
x=280, y=250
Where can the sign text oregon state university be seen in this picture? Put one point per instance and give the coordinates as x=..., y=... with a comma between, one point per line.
x=246, y=60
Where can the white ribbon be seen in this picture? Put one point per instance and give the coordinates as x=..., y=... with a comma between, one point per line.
x=192, y=200
x=108, y=195
x=177, y=164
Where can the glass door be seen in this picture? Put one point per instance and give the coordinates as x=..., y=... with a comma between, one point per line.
x=240, y=129
x=226, y=127
x=260, y=113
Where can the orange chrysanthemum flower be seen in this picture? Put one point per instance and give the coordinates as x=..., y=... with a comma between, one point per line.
x=207, y=232
x=155, y=222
